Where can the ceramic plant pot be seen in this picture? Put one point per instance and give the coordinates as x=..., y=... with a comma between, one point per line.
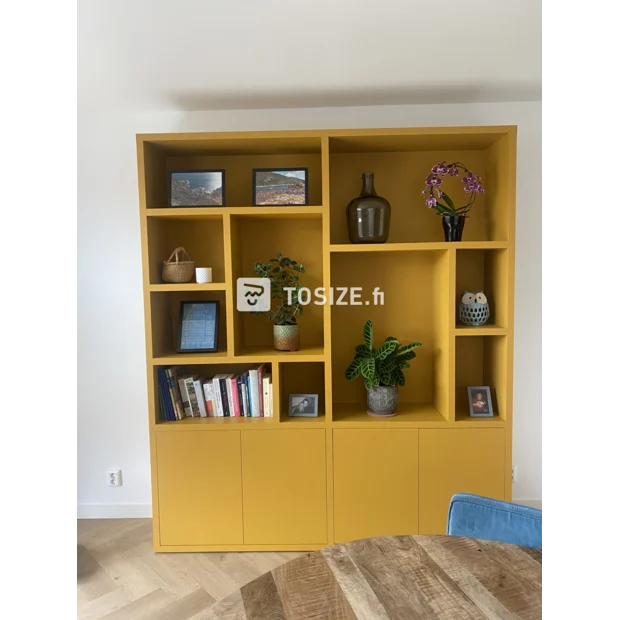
x=286, y=337
x=382, y=401
x=453, y=227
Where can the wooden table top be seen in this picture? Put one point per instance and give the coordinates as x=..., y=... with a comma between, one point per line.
x=396, y=577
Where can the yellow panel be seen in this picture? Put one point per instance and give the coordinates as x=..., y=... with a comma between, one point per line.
x=458, y=461
x=199, y=488
x=375, y=483
x=284, y=487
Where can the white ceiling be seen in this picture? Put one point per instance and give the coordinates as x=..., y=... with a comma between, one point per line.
x=245, y=54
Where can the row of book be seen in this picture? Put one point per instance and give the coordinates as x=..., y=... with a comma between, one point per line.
x=182, y=395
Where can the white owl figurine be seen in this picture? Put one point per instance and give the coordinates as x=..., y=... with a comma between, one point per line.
x=474, y=309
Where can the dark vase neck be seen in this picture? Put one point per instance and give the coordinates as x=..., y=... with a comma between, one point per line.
x=368, y=184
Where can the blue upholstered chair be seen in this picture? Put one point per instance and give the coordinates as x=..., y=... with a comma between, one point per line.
x=489, y=519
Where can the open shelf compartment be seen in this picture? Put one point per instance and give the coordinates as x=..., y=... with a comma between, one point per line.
x=416, y=308
x=484, y=270
x=165, y=314
x=236, y=157
x=202, y=237
x=256, y=239
x=482, y=361
x=401, y=164
x=206, y=372
x=302, y=378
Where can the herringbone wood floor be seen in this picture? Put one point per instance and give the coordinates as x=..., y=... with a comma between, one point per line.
x=120, y=578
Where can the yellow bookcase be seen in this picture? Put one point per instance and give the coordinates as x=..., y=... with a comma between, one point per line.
x=234, y=484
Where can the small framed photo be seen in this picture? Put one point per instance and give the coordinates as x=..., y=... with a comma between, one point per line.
x=303, y=405
x=198, y=327
x=197, y=188
x=282, y=187
x=480, y=405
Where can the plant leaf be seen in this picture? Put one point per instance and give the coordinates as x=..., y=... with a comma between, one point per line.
x=368, y=367
x=362, y=348
x=407, y=356
x=408, y=348
x=354, y=370
x=369, y=383
x=368, y=334
x=448, y=201
x=399, y=377
x=386, y=349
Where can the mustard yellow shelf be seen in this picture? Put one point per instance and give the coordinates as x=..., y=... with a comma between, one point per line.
x=484, y=330
x=268, y=354
x=465, y=420
x=221, y=357
x=409, y=414
x=188, y=286
x=220, y=424
x=217, y=212
x=417, y=247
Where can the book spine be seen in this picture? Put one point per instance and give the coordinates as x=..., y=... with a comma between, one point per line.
x=240, y=395
x=176, y=393
x=271, y=398
x=266, y=411
x=185, y=397
x=219, y=409
x=167, y=411
x=231, y=396
x=175, y=407
x=224, y=391
x=209, y=399
x=254, y=392
x=201, y=398
x=261, y=405
x=232, y=391
x=244, y=396
x=193, y=399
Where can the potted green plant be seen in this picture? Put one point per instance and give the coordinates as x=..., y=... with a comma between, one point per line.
x=452, y=217
x=284, y=275
x=382, y=370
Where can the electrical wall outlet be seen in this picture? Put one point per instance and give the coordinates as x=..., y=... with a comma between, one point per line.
x=115, y=478
x=514, y=473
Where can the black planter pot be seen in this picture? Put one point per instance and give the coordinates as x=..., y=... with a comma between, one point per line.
x=453, y=227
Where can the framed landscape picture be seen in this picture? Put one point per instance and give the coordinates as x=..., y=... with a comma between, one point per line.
x=197, y=188
x=279, y=187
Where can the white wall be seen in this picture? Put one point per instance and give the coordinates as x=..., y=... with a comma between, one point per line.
x=112, y=404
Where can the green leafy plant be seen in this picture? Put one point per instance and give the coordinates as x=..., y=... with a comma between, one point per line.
x=284, y=274
x=381, y=366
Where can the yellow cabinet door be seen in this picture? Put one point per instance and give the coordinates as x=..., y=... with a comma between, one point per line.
x=458, y=461
x=375, y=483
x=284, y=487
x=199, y=484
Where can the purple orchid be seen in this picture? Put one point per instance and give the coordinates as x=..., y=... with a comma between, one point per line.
x=439, y=200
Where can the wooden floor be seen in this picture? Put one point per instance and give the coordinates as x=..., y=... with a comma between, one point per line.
x=120, y=578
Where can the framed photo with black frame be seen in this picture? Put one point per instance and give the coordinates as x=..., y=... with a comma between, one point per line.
x=279, y=187
x=196, y=188
x=303, y=405
x=480, y=404
x=198, y=327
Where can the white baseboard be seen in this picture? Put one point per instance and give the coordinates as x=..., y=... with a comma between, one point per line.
x=114, y=511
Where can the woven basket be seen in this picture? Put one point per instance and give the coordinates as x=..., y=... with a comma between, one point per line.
x=178, y=268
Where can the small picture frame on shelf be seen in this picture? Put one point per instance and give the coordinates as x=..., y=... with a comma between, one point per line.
x=197, y=188
x=303, y=405
x=198, y=327
x=480, y=404
x=279, y=187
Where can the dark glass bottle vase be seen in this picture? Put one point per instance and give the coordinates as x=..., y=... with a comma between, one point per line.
x=368, y=215
x=453, y=227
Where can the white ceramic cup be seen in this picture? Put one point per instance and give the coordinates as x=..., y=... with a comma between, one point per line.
x=204, y=275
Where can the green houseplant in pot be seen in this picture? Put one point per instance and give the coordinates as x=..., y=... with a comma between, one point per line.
x=283, y=274
x=382, y=370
